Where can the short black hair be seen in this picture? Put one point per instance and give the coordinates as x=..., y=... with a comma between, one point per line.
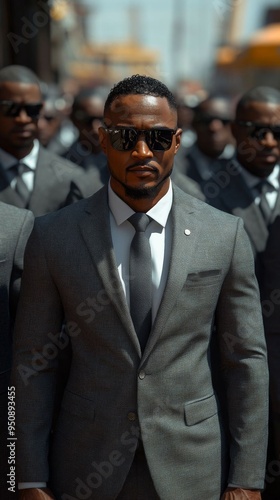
x=18, y=74
x=264, y=94
x=140, y=85
x=88, y=93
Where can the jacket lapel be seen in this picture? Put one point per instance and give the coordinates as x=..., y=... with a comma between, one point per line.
x=238, y=200
x=276, y=210
x=184, y=244
x=96, y=233
x=44, y=181
x=7, y=194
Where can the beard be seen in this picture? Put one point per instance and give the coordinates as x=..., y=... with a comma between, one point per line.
x=139, y=193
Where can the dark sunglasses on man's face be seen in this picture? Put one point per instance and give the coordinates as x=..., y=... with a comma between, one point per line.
x=125, y=138
x=83, y=117
x=13, y=109
x=260, y=130
x=87, y=120
x=206, y=120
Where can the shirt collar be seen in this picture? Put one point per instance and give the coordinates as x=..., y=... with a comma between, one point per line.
x=7, y=160
x=159, y=212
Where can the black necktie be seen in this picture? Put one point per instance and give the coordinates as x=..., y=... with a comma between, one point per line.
x=263, y=188
x=140, y=272
x=20, y=186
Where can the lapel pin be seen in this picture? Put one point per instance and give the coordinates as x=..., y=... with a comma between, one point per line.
x=187, y=232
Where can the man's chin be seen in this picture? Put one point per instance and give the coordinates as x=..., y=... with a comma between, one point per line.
x=146, y=192
x=139, y=193
x=262, y=170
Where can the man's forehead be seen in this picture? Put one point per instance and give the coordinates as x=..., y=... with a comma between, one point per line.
x=129, y=106
x=265, y=109
x=134, y=101
x=19, y=87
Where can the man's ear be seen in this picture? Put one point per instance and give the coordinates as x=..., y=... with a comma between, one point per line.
x=178, y=137
x=103, y=139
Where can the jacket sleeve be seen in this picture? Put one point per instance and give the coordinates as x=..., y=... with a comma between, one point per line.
x=244, y=366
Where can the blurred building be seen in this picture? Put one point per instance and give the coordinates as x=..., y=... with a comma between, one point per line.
x=108, y=63
x=25, y=35
x=49, y=36
x=257, y=62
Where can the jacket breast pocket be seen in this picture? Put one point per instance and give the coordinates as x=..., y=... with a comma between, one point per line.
x=197, y=411
x=204, y=278
x=77, y=405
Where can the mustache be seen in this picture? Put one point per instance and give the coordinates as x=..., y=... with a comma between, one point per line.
x=142, y=164
x=20, y=128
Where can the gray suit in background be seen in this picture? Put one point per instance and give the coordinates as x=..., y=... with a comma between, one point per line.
x=192, y=410
x=16, y=225
x=53, y=177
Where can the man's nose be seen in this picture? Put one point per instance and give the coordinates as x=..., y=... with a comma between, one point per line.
x=216, y=124
x=142, y=148
x=23, y=116
x=269, y=140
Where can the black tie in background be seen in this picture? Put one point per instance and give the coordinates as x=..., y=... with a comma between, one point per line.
x=20, y=186
x=263, y=188
x=140, y=273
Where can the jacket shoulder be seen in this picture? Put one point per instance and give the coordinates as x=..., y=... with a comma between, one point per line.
x=59, y=163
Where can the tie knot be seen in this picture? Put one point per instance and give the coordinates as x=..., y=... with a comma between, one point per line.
x=19, y=168
x=140, y=221
x=263, y=186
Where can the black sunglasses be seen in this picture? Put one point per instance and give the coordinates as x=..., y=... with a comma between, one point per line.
x=81, y=116
x=259, y=130
x=13, y=109
x=207, y=119
x=125, y=138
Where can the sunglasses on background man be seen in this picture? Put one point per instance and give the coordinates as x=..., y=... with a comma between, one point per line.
x=13, y=109
x=259, y=131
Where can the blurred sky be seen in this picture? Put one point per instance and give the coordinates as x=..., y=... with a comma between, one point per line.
x=184, y=32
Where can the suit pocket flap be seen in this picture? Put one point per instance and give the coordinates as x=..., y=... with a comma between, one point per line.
x=197, y=411
x=77, y=405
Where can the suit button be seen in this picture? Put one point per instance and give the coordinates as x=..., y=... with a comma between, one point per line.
x=132, y=416
x=142, y=375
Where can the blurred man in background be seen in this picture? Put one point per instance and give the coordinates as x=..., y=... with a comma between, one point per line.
x=30, y=176
x=87, y=117
x=56, y=131
x=214, y=141
x=248, y=186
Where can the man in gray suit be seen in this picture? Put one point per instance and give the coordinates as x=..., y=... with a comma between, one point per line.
x=214, y=144
x=30, y=176
x=172, y=408
x=249, y=188
x=16, y=226
x=239, y=187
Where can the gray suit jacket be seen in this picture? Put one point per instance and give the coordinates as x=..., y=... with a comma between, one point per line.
x=188, y=162
x=228, y=191
x=16, y=225
x=171, y=396
x=52, y=181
